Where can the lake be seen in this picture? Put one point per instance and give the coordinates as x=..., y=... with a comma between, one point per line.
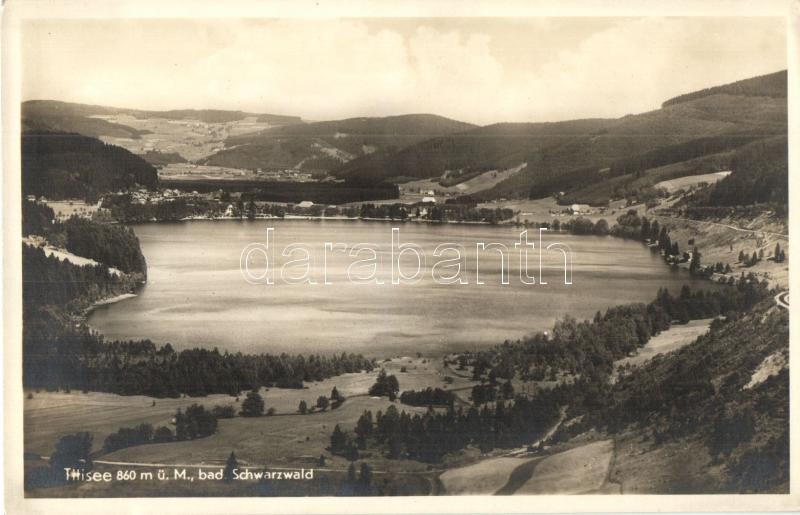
x=196, y=295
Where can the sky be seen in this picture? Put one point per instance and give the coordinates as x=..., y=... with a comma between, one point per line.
x=479, y=70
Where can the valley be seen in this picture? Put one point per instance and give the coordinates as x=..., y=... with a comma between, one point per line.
x=659, y=367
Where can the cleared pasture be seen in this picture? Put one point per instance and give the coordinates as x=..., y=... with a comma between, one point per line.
x=483, y=478
x=674, y=185
x=278, y=441
x=580, y=470
x=50, y=415
x=672, y=339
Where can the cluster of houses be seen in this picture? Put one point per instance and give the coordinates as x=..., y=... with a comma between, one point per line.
x=145, y=196
x=285, y=175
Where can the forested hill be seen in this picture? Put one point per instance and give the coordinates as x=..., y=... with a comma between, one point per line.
x=723, y=400
x=60, y=165
x=760, y=175
x=497, y=146
x=569, y=156
x=326, y=145
x=770, y=85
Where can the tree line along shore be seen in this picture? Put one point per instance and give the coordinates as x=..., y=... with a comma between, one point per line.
x=59, y=354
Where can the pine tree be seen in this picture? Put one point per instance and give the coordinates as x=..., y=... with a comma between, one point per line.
x=253, y=405
x=338, y=439
x=303, y=407
x=654, y=231
x=72, y=451
x=365, y=478
x=363, y=429
x=645, y=230
x=231, y=465
x=694, y=266
x=181, y=432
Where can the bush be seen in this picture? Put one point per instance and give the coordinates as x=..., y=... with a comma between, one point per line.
x=163, y=434
x=224, y=411
x=128, y=437
x=253, y=405
x=73, y=451
x=428, y=397
x=195, y=423
x=385, y=386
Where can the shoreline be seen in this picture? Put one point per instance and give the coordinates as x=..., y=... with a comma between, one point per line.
x=114, y=299
x=86, y=312
x=317, y=218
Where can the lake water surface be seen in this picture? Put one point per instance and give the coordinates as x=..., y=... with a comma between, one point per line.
x=196, y=295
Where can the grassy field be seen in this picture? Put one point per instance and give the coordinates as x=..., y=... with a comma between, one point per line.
x=50, y=415
x=178, y=171
x=722, y=240
x=672, y=339
x=288, y=441
x=192, y=139
x=64, y=209
x=475, y=184
x=674, y=185
x=483, y=478
x=580, y=470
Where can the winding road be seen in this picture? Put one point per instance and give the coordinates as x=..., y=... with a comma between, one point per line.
x=733, y=227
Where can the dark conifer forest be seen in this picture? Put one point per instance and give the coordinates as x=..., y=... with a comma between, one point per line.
x=66, y=166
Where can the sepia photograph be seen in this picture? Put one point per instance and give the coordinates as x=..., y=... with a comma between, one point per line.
x=395, y=256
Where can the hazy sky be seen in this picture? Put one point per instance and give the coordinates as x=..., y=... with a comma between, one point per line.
x=477, y=70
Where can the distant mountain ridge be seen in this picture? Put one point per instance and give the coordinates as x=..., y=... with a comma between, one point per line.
x=327, y=145
x=563, y=156
x=584, y=161
x=55, y=115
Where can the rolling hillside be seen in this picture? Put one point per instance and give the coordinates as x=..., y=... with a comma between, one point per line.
x=582, y=161
x=327, y=145
x=565, y=156
x=74, y=118
x=161, y=137
x=719, y=406
x=496, y=146
x=71, y=117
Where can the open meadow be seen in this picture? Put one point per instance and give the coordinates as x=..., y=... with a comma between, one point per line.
x=50, y=415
